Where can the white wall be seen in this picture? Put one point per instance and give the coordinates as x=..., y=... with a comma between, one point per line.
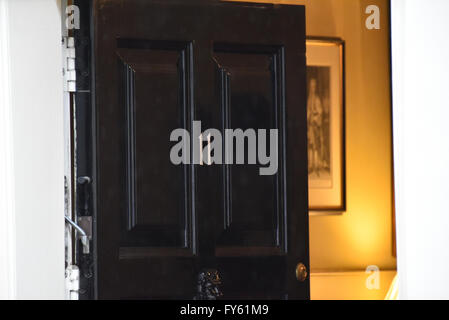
x=421, y=138
x=37, y=127
x=7, y=216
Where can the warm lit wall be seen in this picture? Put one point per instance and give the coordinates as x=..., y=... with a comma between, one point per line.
x=362, y=236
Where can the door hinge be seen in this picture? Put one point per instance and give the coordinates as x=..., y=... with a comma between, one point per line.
x=69, y=71
x=72, y=279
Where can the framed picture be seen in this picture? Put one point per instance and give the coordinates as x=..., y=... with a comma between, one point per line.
x=326, y=125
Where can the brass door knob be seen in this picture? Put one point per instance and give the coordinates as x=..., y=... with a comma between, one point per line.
x=301, y=272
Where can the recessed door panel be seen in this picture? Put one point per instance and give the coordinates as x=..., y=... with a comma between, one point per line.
x=251, y=85
x=154, y=86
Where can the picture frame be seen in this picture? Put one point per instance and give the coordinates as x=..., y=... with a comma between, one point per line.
x=326, y=125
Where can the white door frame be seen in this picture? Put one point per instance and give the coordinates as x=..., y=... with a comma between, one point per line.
x=421, y=148
x=7, y=217
x=32, y=155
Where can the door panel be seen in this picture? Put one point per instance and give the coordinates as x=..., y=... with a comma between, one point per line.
x=159, y=65
x=250, y=82
x=155, y=76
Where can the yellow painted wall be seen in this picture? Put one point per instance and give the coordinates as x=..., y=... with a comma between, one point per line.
x=362, y=236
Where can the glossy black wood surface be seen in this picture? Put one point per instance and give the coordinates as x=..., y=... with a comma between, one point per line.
x=159, y=65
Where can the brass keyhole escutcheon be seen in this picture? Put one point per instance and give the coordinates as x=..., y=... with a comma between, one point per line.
x=301, y=272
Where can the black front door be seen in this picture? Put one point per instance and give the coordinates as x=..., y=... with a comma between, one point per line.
x=163, y=226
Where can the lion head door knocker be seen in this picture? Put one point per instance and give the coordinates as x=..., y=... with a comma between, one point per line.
x=208, y=286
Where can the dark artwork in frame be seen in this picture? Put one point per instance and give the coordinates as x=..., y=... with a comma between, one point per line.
x=326, y=125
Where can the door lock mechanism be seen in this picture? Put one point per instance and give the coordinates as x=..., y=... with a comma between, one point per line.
x=83, y=236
